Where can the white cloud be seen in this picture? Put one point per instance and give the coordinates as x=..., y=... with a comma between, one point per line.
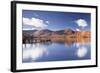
x=81, y=23
x=28, y=28
x=35, y=22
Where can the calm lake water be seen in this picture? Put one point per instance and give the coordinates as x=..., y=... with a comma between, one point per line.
x=41, y=52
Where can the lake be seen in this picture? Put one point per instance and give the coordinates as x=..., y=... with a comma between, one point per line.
x=55, y=51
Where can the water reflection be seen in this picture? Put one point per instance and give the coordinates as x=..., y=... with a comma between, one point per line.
x=81, y=52
x=33, y=52
x=55, y=51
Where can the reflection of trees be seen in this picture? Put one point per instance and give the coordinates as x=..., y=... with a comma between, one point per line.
x=27, y=38
x=46, y=41
x=31, y=39
x=69, y=42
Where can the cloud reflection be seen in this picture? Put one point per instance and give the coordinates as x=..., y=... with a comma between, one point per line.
x=34, y=52
x=81, y=52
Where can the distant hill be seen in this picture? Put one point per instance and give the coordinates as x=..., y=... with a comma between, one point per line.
x=47, y=31
x=60, y=33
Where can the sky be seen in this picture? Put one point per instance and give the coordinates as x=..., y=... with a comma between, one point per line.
x=52, y=20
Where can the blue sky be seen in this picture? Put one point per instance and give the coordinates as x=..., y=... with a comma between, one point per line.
x=33, y=19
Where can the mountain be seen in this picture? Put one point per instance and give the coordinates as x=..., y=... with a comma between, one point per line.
x=47, y=32
x=29, y=32
x=60, y=32
x=69, y=31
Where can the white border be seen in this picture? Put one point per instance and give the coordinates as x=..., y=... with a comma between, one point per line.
x=21, y=65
